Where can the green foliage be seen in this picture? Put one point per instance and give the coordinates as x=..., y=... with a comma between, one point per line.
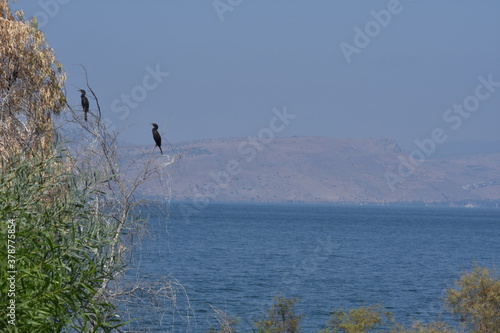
x=281, y=317
x=418, y=327
x=358, y=320
x=58, y=250
x=476, y=302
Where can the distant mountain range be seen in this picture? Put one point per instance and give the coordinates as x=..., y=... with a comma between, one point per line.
x=327, y=170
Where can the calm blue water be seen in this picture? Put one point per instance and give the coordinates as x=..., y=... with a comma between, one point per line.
x=238, y=257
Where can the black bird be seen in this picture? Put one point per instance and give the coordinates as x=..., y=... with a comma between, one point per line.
x=85, y=103
x=157, y=136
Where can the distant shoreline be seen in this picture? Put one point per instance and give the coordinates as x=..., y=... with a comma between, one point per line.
x=320, y=170
x=479, y=205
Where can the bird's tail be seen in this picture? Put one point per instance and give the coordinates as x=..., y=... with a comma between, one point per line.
x=161, y=151
x=85, y=115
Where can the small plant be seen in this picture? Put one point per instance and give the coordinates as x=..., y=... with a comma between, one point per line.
x=281, y=317
x=358, y=320
x=418, y=327
x=476, y=302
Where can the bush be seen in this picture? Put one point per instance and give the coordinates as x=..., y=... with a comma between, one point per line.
x=358, y=320
x=57, y=251
x=476, y=301
x=280, y=318
x=418, y=327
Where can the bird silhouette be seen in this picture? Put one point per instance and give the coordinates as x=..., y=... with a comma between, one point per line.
x=157, y=136
x=85, y=103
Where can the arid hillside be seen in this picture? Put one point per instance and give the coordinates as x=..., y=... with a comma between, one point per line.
x=319, y=169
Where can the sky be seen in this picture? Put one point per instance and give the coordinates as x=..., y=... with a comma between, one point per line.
x=415, y=70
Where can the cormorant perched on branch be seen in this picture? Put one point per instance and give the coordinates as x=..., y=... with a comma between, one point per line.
x=157, y=136
x=85, y=103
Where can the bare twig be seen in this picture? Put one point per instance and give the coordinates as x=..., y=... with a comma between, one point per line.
x=93, y=94
x=97, y=154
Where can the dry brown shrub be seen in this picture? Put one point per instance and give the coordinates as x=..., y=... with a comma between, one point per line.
x=31, y=86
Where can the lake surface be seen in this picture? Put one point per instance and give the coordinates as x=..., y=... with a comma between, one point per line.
x=237, y=257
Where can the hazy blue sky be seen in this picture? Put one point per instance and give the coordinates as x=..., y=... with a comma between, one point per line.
x=231, y=62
